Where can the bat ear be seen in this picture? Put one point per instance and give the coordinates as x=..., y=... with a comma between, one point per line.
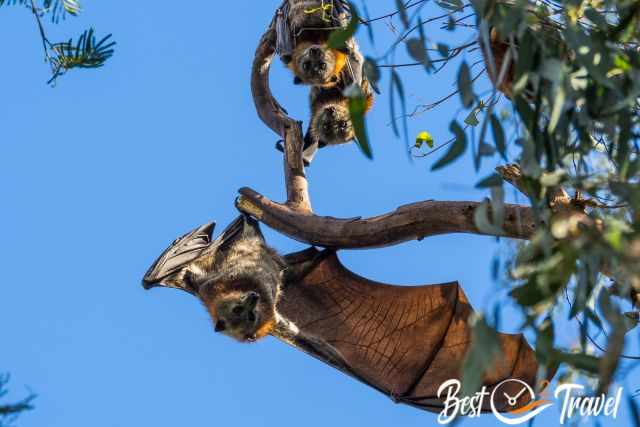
x=297, y=80
x=243, y=227
x=220, y=326
x=286, y=59
x=170, y=269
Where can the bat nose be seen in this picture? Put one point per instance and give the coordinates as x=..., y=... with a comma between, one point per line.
x=252, y=298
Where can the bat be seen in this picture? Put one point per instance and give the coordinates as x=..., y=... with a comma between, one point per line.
x=403, y=341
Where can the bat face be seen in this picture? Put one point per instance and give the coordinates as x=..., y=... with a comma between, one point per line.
x=315, y=65
x=237, y=277
x=244, y=315
x=333, y=125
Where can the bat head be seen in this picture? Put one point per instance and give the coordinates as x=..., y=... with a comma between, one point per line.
x=332, y=124
x=237, y=276
x=316, y=65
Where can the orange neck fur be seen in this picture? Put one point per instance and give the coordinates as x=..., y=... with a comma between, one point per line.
x=265, y=329
x=341, y=61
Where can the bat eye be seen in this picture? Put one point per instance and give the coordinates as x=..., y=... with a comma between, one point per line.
x=323, y=66
x=237, y=309
x=220, y=326
x=306, y=66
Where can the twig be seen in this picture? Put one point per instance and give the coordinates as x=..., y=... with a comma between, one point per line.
x=392, y=14
x=46, y=44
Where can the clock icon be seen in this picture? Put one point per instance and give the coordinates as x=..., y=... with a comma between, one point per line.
x=516, y=398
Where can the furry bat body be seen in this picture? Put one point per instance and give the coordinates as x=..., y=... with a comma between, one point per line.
x=403, y=341
x=330, y=122
x=304, y=27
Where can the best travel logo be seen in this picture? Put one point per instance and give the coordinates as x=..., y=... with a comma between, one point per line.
x=567, y=395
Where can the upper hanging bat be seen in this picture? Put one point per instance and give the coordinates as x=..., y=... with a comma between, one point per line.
x=303, y=29
x=403, y=341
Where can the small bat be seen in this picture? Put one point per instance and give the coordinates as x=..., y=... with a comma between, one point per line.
x=303, y=28
x=403, y=341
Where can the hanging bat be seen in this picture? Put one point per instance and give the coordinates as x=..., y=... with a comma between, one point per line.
x=303, y=28
x=403, y=341
x=331, y=122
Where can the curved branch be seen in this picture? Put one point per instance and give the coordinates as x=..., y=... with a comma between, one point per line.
x=270, y=112
x=409, y=222
x=276, y=118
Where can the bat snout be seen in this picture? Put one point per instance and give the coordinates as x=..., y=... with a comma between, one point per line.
x=252, y=299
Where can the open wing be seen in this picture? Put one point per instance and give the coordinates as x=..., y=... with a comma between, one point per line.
x=404, y=341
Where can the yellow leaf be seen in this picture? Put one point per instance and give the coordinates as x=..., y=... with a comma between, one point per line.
x=424, y=137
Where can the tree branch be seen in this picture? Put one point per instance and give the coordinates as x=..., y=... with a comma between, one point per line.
x=409, y=222
x=296, y=219
x=276, y=118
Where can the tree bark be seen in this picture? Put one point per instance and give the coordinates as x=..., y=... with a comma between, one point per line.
x=408, y=222
x=276, y=118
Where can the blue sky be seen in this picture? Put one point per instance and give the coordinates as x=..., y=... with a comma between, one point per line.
x=102, y=172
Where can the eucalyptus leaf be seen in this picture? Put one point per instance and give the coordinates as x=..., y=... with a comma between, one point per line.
x=456, y=150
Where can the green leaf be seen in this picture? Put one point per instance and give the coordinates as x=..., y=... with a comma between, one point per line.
x=454, y=5
x=483, y=353
x=400, y=5
x=357, y=111
x=338, y=38
x=457, y=149
x=497, y=206
x=481, y=220
x=634, y=411
x=71, y=6
x=371, y=70
x=357, y=107
x=558, y=104
x=486, y=150
x=464, y=85
x=443, y=49
x=396, y=83
x=367, y=17
x=418, y=51
x=585, y=362
x=493, y=180
x=471, y=119
x=597, y=18
x=498, y=136
x=544, y=341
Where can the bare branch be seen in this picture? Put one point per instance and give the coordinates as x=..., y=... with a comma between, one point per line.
x=394, y=13
x=275, y=117
x=270, y=112
x=409, y=222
